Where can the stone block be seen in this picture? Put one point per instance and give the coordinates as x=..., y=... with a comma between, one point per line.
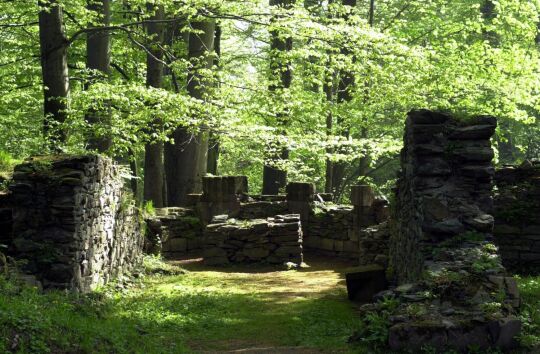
x=300, y=192
x=362, y=196
x=364, y=282
x=327, y=244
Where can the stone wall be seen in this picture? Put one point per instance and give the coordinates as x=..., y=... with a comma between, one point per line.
x=517, y=217
x=453, y=292
x=328, y=229
x=274, y=240
x=443, y=189
x=73, y=221
x=174, y=232
x=6, y=222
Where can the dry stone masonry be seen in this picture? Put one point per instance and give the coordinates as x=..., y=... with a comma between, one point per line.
x=174, y=232
x=276, y=240
x=328, y=229
x=73, y=221
x=6, y=222
x=453, y=291
x=517, y=217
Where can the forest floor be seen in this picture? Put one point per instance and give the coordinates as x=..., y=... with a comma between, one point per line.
x=243, y=309
x=186, y=307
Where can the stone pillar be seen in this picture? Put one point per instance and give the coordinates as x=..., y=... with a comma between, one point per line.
x=299, y=199
x=443, y=189
x=440, y=250
x=362, y=198
x=221, y=195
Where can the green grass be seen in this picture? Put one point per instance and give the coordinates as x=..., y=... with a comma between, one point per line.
x=172, y=312
x=529, y=288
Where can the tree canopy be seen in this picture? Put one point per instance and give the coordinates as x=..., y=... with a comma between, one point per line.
x=355, y=69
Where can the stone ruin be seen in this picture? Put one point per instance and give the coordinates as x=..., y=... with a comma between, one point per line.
x=338, y=231
x=276, y=240
x=517, y=217
x=452, y=291
x=73, y=223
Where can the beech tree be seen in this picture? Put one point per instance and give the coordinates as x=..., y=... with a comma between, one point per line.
x=186, y=160
x=274, y=177
x=53, y=48
x=153, y=158
x=98, y=60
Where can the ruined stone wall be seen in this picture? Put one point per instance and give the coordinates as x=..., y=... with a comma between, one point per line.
x=453, y=292
x=328, y=229
x=517, y=217
x=174, y=232
x=74, y=222
x=274, y=240
x=443, y=189
x=6, y=222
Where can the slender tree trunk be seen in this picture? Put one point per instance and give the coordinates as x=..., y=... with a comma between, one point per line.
x=153, y=158
x=329, y=91
x=346, y=82
x=186, y=164
x=53, y=48
x=213, y=145
x=98, y=57
x=275, y=179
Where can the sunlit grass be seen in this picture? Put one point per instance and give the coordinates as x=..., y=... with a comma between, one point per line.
x=201, y=310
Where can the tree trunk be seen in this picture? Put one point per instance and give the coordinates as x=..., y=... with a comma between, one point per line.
x=153, y=158
x=329, y=90
x=275, y=179
x=53, y=48
x=98, y=57
x=186, y=162
x=346, y=81
x=213, y=145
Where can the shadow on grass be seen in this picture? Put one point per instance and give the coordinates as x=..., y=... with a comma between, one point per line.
x=219, y=320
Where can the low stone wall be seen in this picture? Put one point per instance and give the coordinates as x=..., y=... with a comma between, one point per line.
x=328, y=229
x=73, y=222
x=261, y=209
x=174, y=232
x=374, y=244
x=275, y=240
x=517, y=217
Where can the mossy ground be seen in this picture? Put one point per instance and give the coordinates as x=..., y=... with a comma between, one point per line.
x=201, y=310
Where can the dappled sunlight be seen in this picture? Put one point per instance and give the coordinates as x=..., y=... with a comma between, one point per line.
x=214, y=310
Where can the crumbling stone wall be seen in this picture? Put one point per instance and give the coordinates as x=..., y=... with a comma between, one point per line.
x=517, y=217
x=174, y=232
x=6, y=222
x=275, y=240
x=328, y=229
x=453, y=291
x=73, y=221
x=443, y=189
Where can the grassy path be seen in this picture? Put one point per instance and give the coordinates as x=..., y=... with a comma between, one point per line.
x=247, y=310
x=204, y=310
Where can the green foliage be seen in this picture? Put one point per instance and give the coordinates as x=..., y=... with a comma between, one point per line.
x=373, y=330
x=529, y=288
x=435, y=54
